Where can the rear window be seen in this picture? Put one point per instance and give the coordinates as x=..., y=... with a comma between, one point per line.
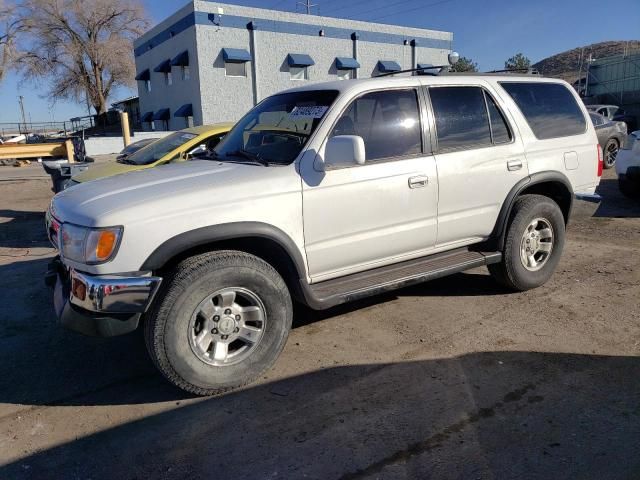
x=549, y=108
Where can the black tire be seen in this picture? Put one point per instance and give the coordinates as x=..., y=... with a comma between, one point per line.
x=511, y=271
x=629, y=188
x=611, y=143
x=167, y=327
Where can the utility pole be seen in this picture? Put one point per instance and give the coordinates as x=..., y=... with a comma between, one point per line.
x=307, y=5
x=24, y=118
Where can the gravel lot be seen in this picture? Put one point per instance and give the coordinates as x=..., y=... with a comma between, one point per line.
x=451, y=379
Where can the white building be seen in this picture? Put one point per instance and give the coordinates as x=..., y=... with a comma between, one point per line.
x=211, y=62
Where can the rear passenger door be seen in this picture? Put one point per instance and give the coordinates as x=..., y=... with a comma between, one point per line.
x=479, y=159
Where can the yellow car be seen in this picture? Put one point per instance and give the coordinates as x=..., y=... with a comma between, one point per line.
x=178, y=146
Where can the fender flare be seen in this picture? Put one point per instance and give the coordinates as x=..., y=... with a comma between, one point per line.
x=227, y=231
x=500, y=228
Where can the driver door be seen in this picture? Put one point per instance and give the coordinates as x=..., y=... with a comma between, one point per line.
x=362, y=216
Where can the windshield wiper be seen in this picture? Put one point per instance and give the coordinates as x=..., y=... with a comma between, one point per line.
x=254, y=157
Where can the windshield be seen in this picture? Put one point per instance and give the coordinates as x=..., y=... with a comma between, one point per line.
x=158, y=149
x=276, y=130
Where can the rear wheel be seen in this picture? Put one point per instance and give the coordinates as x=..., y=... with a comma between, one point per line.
x=611, y=152
x=220, y=322
x=533, y=244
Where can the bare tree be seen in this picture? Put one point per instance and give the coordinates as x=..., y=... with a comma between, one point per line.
x=81, y=48
x=10, y=27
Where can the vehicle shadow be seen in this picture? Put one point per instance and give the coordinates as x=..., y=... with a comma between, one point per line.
x=614, y=204
x=480, y=415
x=466, y=284
x=64, y=368
x=22, y=229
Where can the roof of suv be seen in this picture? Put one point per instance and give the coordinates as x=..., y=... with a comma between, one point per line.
x=407, y=80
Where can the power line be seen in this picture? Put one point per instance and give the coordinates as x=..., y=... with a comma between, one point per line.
x=351, y=5
x=390, y=5
x=408, y=11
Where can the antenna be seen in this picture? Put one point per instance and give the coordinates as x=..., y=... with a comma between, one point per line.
x=307, y=5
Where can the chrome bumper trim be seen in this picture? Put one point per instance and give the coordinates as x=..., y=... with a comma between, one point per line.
x=112, y=293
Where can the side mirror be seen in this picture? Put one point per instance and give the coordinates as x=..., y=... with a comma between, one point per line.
x=344, y=151
x=196, y=152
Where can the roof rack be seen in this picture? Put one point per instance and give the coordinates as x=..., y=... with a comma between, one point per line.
x=530, y=71
x=422, y=70
x=444, y=69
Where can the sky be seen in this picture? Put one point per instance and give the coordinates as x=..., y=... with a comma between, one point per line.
x=487, y=31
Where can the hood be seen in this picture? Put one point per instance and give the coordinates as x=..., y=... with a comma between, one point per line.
x=107, y=169
x=170, y=190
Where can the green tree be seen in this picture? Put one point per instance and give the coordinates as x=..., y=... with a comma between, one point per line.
x=464, y=65
x=517, y=62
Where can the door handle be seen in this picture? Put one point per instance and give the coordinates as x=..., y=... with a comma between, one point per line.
x=513, y=165
x=418, y=181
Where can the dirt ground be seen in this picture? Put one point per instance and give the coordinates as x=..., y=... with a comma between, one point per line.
x=456, y=378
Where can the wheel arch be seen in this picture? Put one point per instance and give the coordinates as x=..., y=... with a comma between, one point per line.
x=554, y=185
x=256, y=238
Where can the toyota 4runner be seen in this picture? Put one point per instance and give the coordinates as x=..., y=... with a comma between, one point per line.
x=322, y=194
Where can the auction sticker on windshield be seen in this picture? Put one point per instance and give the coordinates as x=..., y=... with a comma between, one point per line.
x=188, y=136
x=309, y=112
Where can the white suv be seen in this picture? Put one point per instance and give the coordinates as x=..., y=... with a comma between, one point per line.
x=323, y=194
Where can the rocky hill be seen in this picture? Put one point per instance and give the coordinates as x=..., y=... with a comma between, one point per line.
x=567, y=64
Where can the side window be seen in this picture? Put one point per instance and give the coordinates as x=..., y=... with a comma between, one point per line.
x=388, y=122
x=500, y=132
x=212, y=142
x=549, y=108
x=461, y=116
x=596, y=119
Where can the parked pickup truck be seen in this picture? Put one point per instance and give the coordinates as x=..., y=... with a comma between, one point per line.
x=323, y=194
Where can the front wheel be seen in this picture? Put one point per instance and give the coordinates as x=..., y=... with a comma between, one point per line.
x=219, y=323
x=533, y=244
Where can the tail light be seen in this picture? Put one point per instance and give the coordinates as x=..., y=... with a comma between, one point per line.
x=600, y=162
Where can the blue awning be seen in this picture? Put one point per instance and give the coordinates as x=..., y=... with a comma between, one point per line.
x=164, y=67
x=181, y=60
x=185, y=110
x=147, y=117
x=300, y=60
x=235, y=55
x=386, y=66
x=144, y=76
x=162, y=114
x=346, y=63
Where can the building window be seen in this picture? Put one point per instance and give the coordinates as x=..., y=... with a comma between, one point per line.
x=233, y=69
x=186, y=73
x=168, y=78
x=345, y=74
x=299, y=73
x=147, y=85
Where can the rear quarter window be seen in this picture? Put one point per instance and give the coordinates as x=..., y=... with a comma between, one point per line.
x=549, y=108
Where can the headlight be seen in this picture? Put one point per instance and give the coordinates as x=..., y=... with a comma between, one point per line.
x=89, y=245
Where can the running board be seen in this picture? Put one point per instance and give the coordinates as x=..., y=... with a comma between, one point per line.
x=391, y=277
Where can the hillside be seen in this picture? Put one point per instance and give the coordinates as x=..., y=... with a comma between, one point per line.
x=566, y=64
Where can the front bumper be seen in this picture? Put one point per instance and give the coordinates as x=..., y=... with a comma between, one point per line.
x=100, y=305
